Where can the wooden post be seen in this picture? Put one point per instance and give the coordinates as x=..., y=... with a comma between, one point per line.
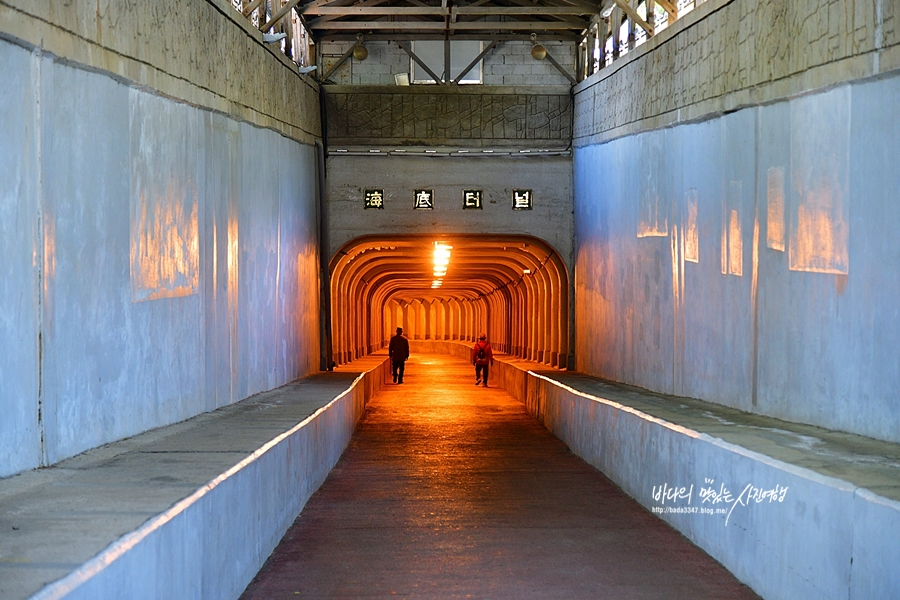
x=588, y=67
x=631, y=29
x=287, y=26
x=581, y=59
x=615, y=20
x=669, y=7
x=602, y=34
x=446, y=79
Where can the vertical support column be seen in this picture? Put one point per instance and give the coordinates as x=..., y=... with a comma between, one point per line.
x=615, y=21
x=522, y=312
x=399, y=318
x=542, y=343
x=631, y=25
x=607, y=28
x=428, y=313
x=404, y=320
x=388, y=321
x=284, y=25
x=583, y=64
x=417, y=320
x=447, y=77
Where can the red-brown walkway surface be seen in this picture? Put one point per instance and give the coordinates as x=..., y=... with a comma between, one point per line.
x=453, y=491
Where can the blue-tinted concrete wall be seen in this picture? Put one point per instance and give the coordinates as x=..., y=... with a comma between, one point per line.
x=749, y=259
x=158, y=260
x=19, y=281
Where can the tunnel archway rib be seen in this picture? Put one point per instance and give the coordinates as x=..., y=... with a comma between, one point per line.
x=513, y=288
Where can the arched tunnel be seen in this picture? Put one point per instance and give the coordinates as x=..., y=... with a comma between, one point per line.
x=514, y=288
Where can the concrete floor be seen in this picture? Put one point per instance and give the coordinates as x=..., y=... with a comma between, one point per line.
x=450, y=490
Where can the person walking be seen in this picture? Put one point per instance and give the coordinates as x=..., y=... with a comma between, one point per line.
x=398, y=350
x=482, y=356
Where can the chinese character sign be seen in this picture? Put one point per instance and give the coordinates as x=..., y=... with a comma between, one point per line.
x=374, y=199
x=423, y=199
x=522, y=199
x=472, y=199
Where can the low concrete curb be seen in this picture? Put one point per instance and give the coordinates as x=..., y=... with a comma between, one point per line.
x=786, y=531
x=213, y=542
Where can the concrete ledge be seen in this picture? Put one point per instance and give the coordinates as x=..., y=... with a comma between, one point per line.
x=785, y=530
x=820, y=537
x=212, y=542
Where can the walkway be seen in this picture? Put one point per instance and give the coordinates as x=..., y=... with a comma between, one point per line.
x=448, y=490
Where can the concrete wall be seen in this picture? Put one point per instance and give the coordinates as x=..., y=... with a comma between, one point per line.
x=448, y=118
x=159, y=259
x=747, y=258
x=727, y=54
x=204, y=53
x=549, y=177
x=20, y=285
x=509, y=63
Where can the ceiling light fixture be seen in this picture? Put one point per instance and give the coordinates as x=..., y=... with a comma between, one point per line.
x=441, y=258
x=359, y=51
x=538, y=52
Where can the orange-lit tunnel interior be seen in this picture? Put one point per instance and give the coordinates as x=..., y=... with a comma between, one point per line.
x=514, y=288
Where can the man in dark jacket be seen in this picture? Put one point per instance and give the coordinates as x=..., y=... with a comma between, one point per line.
x=482, y=356
x=398, y=350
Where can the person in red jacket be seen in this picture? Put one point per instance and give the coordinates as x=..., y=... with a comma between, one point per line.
x=482, y=356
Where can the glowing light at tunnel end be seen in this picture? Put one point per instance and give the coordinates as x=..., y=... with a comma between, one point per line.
x=441, y=263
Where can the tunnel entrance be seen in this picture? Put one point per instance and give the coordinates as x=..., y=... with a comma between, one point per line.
x=451, y=287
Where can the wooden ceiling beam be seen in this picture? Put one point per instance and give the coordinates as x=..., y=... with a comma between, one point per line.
x=421, y=63
x=440, y=25
x=669, y=7
x=370, y=9
x=279, y=14
x=632, y=14
x=326, y=18
x=594, y=7
x=579, y=23
x=472, y=64
x=316, y=3
x=249, y=9
x=437, y=35
x=523, y=10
